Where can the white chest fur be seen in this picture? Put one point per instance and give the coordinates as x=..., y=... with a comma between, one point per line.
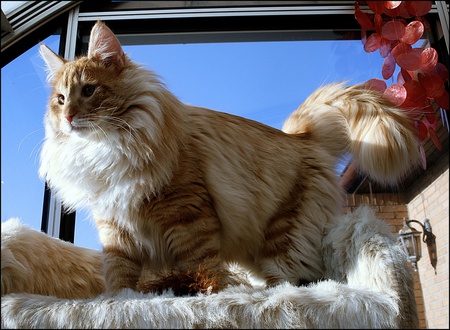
x=100, y=174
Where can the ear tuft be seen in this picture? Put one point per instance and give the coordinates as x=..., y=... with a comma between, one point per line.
x=53, y=62
x=105, y=46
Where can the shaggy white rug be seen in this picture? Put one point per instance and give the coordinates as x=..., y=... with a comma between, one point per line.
x=369, y=285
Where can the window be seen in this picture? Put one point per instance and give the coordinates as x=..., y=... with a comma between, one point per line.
x=24, y=98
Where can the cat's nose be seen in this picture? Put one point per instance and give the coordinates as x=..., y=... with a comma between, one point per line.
x=69, y=118
x=69, y=113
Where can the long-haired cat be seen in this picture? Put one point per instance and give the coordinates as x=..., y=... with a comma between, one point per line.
x=175, y=188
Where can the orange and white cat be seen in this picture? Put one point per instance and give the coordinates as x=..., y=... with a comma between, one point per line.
x=174, y=188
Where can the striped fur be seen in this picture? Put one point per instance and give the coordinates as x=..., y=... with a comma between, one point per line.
x=173, y=187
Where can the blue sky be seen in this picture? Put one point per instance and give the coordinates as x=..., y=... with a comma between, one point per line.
x=264, y=81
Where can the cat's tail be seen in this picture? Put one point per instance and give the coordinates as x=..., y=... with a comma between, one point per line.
x=380, y=137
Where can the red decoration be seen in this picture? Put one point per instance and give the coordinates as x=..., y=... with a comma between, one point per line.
x=372, y=43
x=396, y=93
x=362, y=18
x=413, y=32
x=392, y=29
x=442, y=100
x=428, y=58
x=377, y=84
x=409, y=61
x=388, y=67
x=391, y=4
x=400, y=48
x=418, y=8
x=434, y=85
x=376, y=6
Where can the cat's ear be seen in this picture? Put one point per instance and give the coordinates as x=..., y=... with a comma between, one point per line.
x=105, y=46
x=53, y=61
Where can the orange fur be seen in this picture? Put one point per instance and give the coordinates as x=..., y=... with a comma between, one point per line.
x=185, y=282
x=33, y=262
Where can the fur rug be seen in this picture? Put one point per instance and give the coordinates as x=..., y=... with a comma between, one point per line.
x=369, y=285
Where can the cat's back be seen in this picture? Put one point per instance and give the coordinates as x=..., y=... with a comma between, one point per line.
x=251, y=171
x=245, y=151
x=241, y=141
x=232, y=128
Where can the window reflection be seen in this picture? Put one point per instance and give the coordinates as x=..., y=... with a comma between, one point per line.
x=23, y=102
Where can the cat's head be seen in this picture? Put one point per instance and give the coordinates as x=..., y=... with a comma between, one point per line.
x=89, y=94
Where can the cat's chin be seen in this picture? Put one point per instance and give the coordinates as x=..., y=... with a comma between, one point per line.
x=74, y=130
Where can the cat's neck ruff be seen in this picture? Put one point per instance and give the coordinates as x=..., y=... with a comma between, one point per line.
x=110, y=175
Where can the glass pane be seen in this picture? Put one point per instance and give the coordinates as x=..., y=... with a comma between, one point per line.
x=9, y=6
x=264, y=81
x=24, y=98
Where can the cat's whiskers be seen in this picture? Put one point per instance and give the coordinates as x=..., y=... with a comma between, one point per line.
x=95, y=111
x=109, y=119
x=117, y=121
x=37, y=149
x=27, y=136
x=97, y=128
x=121, y=123
x=60, y=134
x=113, y=110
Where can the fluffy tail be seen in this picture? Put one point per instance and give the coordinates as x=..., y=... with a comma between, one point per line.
x=380, y=136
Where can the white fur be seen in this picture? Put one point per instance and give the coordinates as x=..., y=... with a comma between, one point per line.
x=99, y=163
x=53, y=62
x=370, y=286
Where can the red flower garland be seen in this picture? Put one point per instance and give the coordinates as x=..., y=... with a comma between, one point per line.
x=395, y=26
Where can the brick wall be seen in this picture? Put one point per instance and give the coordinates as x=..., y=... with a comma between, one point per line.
x=427, y=198
x=432, y=202
x=391, y=208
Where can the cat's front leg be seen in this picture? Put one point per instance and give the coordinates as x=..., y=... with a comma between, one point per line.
x=186, y=225
x=121, y=264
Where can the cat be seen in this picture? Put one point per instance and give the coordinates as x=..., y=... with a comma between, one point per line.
x=174, y=188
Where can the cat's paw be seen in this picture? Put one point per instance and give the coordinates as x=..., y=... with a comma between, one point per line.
x=182, y=282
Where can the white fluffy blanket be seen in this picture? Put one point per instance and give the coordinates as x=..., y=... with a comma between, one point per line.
x=369, y=285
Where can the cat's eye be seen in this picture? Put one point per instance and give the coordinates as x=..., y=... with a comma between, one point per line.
x=88, y=90
x=61, y=99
